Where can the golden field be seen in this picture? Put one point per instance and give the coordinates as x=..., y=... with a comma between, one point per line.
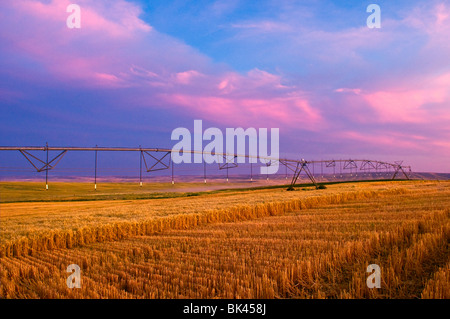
x=266, y=243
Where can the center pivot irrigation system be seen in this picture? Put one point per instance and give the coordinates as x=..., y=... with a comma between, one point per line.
x=161, y=159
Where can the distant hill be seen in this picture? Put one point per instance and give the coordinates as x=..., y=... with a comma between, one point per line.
x=432, y=176
x=276, y=178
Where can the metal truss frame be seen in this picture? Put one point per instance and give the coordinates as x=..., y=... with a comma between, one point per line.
x=157, y=161
x=162, y=162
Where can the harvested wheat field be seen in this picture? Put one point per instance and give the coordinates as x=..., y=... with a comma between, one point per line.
x=266, y=243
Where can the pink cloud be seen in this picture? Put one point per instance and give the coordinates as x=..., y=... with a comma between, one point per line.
x=432, y=19
x=346, y=90
x=434, y=22
x=255, y=98
x=254, y=79
x=442, y=15
x=89, y=54
x=114, y=48
x=187, y=76
x=269, y=112
x=402, y=106
x=386, y=139
x=410, y=104
x=445, y=146
x=119, y=18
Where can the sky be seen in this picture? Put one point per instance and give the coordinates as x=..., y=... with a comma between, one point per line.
x=136, y=70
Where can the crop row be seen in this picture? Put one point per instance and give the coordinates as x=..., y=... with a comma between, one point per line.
x=54, y=239
x=315, y=253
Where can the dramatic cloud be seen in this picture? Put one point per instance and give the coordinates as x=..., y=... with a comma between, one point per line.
x=110, y=51
x=319, y=74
